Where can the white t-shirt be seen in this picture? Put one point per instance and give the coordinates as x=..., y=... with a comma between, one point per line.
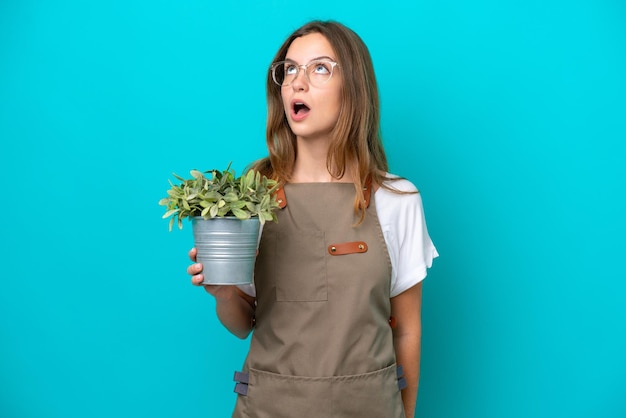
x=402, y=221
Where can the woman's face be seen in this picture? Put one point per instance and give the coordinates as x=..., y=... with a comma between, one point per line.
x=312, y=111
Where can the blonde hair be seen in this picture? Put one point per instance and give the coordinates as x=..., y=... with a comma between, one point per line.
x=357, y=143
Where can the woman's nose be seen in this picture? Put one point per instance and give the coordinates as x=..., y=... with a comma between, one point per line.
x=300, y=83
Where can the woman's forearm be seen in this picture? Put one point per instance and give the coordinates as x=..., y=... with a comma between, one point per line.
x=407, y=348
x=235, y=311
x=407, y=337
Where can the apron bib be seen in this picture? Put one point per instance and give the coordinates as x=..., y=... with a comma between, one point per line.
x=322, y=346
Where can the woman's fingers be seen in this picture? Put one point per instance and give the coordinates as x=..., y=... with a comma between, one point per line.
x=197, y=279
x=195, y=271
x=192, y=254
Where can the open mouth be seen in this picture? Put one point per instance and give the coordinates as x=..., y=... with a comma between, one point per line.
x=300, y=108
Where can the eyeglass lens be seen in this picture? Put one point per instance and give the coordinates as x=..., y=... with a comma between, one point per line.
x=317, y=72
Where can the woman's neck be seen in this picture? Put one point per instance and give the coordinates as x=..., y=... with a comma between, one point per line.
x=310, y=165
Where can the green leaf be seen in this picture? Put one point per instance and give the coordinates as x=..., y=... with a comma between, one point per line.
x=170, y=213
x=240, y=214
x=250, y=178
x=211, y=196
x=231, y=197
x=239, y=204
x=243, y=184
x=223, y=211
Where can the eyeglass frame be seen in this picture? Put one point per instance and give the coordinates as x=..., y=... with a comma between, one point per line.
x=277, y=64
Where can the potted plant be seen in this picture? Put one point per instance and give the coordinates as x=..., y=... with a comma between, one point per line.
x=226, y=213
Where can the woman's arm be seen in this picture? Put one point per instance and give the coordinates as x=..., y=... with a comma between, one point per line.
x=235, y=309
x=406, y=309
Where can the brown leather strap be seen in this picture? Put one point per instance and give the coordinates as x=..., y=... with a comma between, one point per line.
x=392, y=322
x=347, y=248
x=280, y=197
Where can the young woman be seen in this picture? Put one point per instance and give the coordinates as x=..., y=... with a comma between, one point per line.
x=336, y=302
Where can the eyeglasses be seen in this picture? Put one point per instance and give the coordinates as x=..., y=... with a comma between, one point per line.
x=317, y=72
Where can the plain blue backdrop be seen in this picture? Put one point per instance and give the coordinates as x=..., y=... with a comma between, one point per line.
x=509, y=116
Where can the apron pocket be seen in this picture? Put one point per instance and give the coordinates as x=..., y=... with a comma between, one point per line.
x=272, y=395
x=373, y=395
x=303, y=256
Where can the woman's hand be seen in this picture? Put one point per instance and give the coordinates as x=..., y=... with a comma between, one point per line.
x=235, y=309
x=221, y=292
x=195, y=270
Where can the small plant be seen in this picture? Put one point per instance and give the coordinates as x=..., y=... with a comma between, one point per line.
x=221, y=195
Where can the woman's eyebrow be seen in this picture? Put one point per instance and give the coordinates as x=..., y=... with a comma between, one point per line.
x=312, y=59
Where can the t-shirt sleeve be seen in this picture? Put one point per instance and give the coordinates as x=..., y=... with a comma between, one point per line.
x=404, y=227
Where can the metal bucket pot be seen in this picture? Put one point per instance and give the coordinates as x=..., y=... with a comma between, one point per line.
x=226, y=248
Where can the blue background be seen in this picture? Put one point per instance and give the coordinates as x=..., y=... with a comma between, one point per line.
x=509, y=116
